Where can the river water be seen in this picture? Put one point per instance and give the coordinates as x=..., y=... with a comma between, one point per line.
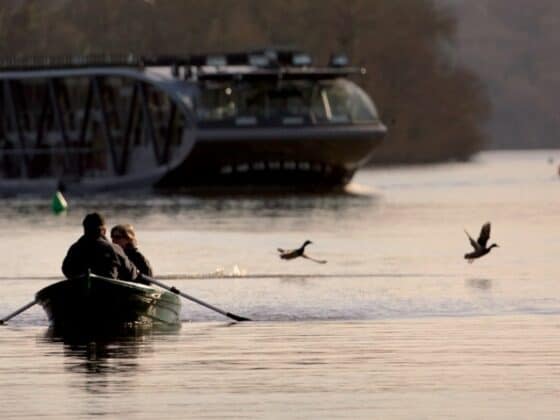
x=396, y=325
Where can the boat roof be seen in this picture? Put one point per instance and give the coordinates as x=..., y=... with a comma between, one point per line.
x=257, y=64
x=290, y=73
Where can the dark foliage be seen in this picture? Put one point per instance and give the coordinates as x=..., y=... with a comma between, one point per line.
x=434, y=109
x=512, y=45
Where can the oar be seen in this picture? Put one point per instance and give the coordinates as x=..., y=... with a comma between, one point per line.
x=200, y=302
x=19, y=311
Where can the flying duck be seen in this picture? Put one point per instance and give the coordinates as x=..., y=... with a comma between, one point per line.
x=290, y=254
x=479, y=246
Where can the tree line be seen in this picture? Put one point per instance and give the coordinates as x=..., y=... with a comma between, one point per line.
x=512, y=45
x=434, y=108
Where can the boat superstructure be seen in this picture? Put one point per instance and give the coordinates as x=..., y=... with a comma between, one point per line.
x=266, y=118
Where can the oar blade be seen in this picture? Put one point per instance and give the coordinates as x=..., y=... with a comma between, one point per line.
x=237, y=317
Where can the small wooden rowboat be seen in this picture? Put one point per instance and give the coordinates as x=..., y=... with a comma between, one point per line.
x=100, y=303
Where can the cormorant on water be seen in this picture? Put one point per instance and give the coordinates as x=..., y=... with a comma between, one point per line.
x=479, y=246
x=290, y=254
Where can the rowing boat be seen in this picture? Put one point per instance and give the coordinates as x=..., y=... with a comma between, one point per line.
x=101, y=303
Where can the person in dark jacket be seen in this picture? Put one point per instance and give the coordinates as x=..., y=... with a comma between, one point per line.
x=94, y=253
x=125, y=237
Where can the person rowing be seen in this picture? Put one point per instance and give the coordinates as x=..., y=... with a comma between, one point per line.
x=92, y=252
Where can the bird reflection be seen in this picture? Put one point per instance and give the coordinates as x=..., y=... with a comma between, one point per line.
x=294, y=280
x=483, y=284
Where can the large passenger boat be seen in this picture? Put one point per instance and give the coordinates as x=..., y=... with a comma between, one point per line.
x=264, y=119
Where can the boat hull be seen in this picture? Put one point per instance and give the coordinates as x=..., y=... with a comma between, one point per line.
x=99, y=303
x=298, y=159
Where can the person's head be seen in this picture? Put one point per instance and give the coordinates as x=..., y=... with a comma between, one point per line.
x=94, y=225
x=123, y=235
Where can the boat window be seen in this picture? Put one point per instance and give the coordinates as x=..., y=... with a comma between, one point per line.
x=344, y=102
x=216, y=103
x=265, y=100
x=292, y=102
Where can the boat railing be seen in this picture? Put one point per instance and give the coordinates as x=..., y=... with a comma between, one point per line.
x=93, y=60
x=80, y=121
x=203, y=67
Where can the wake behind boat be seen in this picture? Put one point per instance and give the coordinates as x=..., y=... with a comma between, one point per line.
x=101, y=303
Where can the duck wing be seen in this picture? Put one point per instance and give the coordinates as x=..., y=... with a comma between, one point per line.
x=313, y=259
x=474, y=244
x=484, y=235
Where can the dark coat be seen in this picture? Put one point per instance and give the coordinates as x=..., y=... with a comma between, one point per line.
x=99, y=256
x=141, y=263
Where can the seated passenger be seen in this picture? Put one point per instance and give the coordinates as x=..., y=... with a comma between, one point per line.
x=124, y=236
x=94, y=253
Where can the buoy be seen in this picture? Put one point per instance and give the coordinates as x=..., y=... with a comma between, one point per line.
x=59, y=203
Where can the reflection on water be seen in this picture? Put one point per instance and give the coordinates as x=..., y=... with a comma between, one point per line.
x=395, y=326
x=153, y=210
x=102, y=360
x=95, y=354
x=482, y=284
x=476, y=367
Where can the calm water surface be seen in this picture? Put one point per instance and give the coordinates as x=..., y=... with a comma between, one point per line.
x=396, y=325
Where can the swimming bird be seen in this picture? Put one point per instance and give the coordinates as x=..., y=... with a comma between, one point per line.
x=290, y=254
x=479, y=246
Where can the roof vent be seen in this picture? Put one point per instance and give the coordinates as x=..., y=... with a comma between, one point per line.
x=301, y=59
x=258, y=60
x=338, y=60
x=216, y=60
